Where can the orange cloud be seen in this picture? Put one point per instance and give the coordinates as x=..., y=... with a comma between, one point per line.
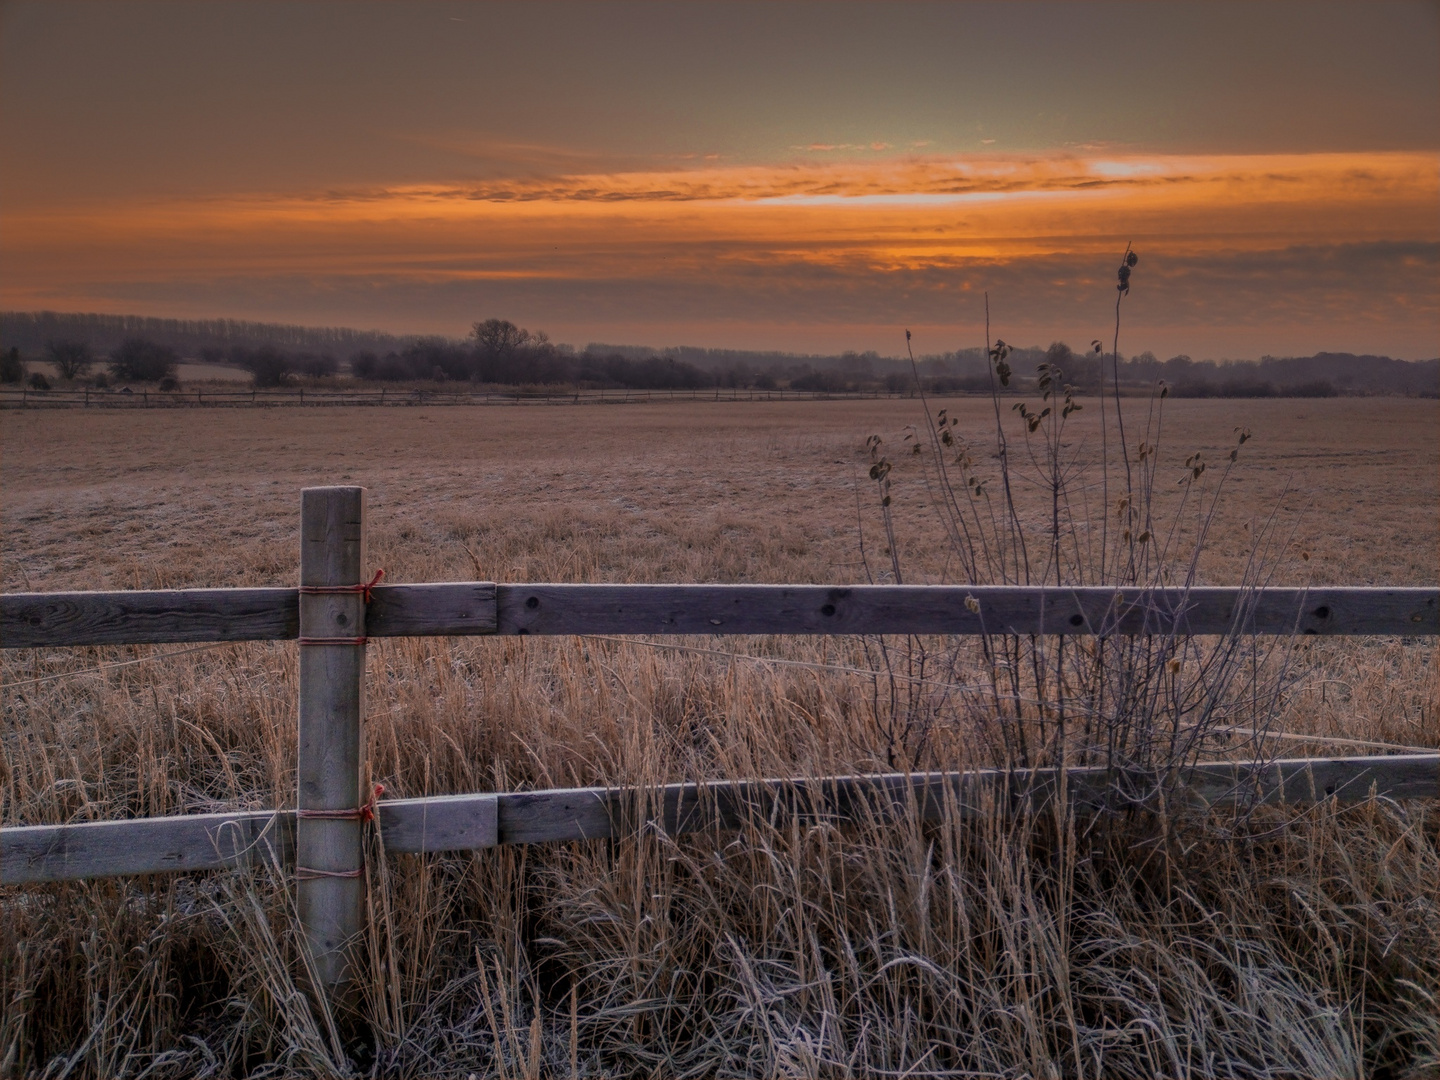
x=853, y=227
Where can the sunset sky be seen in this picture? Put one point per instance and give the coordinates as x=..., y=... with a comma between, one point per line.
x=805, y=177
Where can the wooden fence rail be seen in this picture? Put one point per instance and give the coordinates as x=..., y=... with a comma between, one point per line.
x=400, y=396
x=29, y=620
x=333, y=612
x=192, y=842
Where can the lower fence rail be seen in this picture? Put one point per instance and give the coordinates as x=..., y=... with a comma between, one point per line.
x=193, y=842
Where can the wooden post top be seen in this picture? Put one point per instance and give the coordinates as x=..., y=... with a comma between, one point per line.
x=332, y=535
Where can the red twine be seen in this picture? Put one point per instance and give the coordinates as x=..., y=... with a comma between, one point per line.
x=336, y=590
x=365, y=590
x=362, y=813
x=306, y=873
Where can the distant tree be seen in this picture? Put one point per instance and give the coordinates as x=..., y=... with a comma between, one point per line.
x=143, y=360
x=267, y=364
x=1072, y=369
x=317, y=365
x=502, y=354
x=71, y=358
x=425, y=358
x=897, y=382
x=363, y=364
x=499, y=337
x=12, y=370
x=826, y=382
x=393, y=368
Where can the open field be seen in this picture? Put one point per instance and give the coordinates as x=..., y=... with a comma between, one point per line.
x=188, y=372
x=1311, y=949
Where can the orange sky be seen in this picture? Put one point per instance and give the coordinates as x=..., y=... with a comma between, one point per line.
x=824, y=244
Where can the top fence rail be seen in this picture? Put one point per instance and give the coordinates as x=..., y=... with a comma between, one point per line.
x=235, y=399
x=29, y=620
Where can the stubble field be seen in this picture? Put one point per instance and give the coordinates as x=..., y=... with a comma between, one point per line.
x=978, y=949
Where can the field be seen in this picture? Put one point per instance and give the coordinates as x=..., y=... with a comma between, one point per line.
x=1296, y=945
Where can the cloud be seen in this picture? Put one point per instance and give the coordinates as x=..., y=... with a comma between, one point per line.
x=1233, y=249
x=819, y=147
x=1217, y=180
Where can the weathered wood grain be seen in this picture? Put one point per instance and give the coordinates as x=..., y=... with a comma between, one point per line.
x=29, y=620
x=440, y=823
x=329, y=750
x=471, y=822
x=600, y=813
x=192, y=842
x=943, y=609
x=436, y=610
x=163, y=845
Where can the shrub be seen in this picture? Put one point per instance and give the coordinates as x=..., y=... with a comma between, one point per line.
x=142, y=360
x=438, y=359
x=317, y=365
x=393, y=368
x=12, y=370
x=1152, y=702
x=38, y=381
x=825, y=382
x=899, y=384
x=267, y=364
x=363, y=365
x=1247, y=388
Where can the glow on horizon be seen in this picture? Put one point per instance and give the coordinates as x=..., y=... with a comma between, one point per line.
x=879, y=240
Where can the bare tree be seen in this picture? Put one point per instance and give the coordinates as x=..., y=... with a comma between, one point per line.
x=499, y=337
x=71, y=358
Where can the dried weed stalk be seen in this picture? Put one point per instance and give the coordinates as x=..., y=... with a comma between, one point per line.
x=1147, y=703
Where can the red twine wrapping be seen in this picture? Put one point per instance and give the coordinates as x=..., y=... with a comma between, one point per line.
x=336, y=590
x=305, y=873
x=362, y=813
x=365, y=590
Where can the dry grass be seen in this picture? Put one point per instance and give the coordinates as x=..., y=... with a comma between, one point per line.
x=1304, y=945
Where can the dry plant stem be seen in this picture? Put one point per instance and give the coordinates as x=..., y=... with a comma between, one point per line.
x=1120, y=294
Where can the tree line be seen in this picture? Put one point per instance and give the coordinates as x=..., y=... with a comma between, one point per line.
x=135, y=359
x=32, y=331
x=500, y=353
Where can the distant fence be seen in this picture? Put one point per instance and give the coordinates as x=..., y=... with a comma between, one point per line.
x=334, y=611
x=25, y=398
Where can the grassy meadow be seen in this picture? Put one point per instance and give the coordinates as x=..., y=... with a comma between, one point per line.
x=1289, y=944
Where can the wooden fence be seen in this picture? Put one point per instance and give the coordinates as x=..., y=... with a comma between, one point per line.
x=145, y=398
x=334, y=611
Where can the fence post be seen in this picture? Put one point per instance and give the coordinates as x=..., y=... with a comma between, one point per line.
x=332, y=695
